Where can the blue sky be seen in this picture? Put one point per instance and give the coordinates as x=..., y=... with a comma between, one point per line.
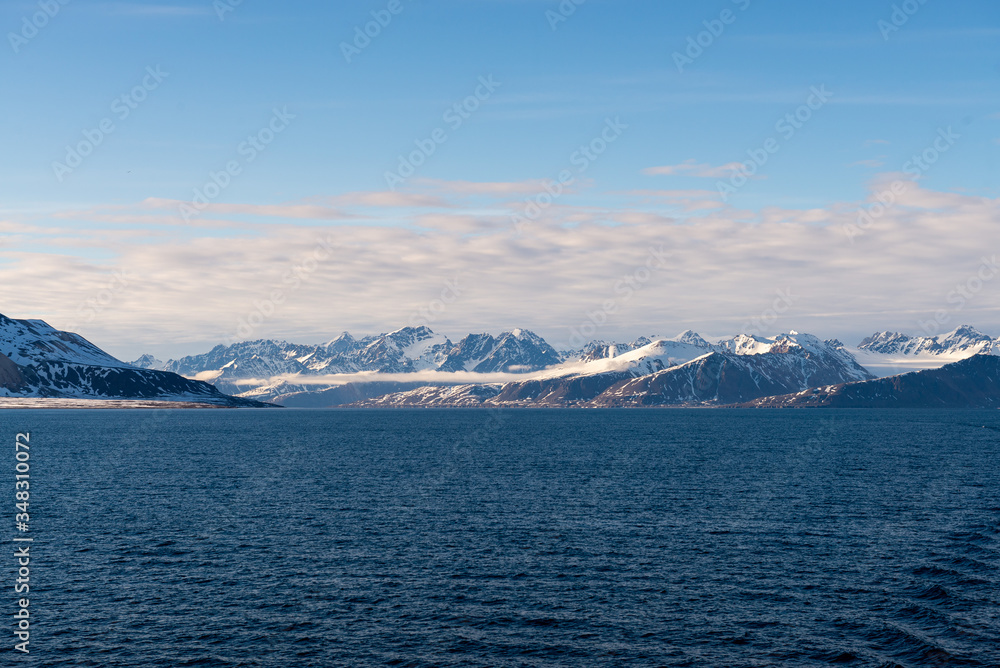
x=557, y=85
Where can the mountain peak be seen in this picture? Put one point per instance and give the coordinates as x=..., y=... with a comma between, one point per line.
x=692, y=337
x=147, y=362
x=420, y=329
x=343, y=336
x=960, y=342
x=964, y=331
x=30, y=341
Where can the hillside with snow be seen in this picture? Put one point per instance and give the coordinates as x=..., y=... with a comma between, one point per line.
x=38, y=361
x=685, y=370
x=891, y=353
x=262, y=368
x=415, y=366
x=349, y=370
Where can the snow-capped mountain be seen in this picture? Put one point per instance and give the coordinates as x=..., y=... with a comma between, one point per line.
x=829, y=355
x=267, y=369
x=147, y=362
x=519, y=369
x=597, y=350
x=893, y=352
x=973, y=382
x=689, y=345
x=241, y=367
x=36, y=360
x=517, y=350
x=664, y=372
x=403, y=351
x=32, y=341
x=964, y=341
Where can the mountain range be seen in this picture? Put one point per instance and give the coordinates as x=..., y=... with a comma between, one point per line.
x=687, y=369
x=415, y=366
x=973, y=382
x=37, y=360
x=233, y=368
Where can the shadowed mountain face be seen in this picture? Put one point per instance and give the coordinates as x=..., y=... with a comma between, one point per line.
x=648, y=376
x=404, y=351
x=341, y=394
x=39, y=361
x=268, y=369
x=970, y=383
x=31, y=341
x=519, y=350
x=964, y=341
x=11, y=377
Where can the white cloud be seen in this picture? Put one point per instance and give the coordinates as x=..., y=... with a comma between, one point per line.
x=428, y=376
x=696, y=169
x=496, y=189
x=191, y=286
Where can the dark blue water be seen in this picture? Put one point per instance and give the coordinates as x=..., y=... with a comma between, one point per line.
x=520, y=538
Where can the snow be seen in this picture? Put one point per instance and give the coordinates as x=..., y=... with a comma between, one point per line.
x=418, y=349
x=883, y=365
x=208, y=376
x=39, y=403
x=30, y=341
x=890, y=353
x=666, y=352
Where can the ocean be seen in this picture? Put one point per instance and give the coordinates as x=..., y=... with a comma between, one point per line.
x=709, y=538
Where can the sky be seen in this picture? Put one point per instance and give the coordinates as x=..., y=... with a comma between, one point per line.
x=177, y=175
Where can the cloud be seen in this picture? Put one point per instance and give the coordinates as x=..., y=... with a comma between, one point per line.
x=316, y=208
x=874, y=142
x=150, y=10
x=307, y=279
x=673, y=194
x=494, y=189
x=428, y=376
x=389, y=199
x=306, y=211
x=695, y=169
x=873, y=163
